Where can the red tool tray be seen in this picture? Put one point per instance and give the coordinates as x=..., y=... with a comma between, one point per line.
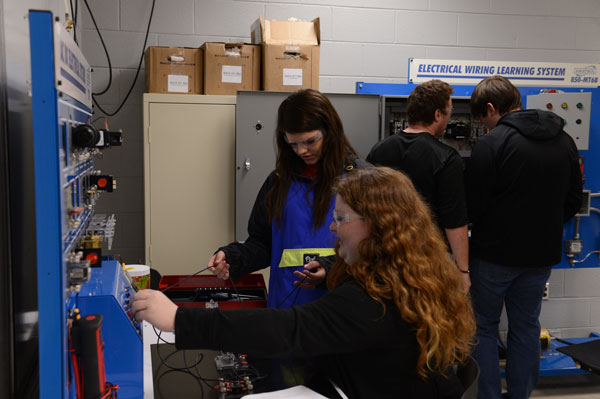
x=207, y=290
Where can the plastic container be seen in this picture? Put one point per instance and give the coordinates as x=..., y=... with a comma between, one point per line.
x=140, y=274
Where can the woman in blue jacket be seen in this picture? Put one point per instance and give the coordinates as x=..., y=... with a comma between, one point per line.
x=288, y=226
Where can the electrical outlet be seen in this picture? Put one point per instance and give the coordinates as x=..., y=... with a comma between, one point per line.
x=546, y=291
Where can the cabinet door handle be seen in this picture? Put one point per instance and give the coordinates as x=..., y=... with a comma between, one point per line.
x=247, y=164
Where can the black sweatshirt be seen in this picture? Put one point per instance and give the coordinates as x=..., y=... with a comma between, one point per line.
x=436, y=170
x=523, y=184
x=366, y=353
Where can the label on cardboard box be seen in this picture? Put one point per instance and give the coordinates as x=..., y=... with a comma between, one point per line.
x=177, y=83
x=292, y=76
x=231, y=74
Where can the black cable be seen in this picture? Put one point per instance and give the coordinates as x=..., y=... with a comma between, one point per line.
x=160, y=377
x=75, y=19
x=105, y=51
x=199, y=376
x=186, y=370
x=183, y=279
x=296, y=296
x=291, y=292
x=159, y=338
x=74, y=22
x=98, y=118
x=249, y=372
x=136, y=73
x=236, y=291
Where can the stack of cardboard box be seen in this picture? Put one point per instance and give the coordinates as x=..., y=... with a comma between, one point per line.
x=284, y=56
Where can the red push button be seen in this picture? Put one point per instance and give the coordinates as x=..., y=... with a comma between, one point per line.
x=93, y=258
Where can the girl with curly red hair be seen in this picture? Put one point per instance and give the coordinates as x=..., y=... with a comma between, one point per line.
x=392, y=326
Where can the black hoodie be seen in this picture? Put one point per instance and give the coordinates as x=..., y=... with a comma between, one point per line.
x=523, y=183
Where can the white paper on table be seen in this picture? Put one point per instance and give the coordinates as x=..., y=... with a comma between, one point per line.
x=297, y=392
x=150, y=338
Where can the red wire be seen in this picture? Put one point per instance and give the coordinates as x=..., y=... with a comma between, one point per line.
x=109, y=391
x=75, y=370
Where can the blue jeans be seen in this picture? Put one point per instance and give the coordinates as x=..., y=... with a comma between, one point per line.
x=521, y=289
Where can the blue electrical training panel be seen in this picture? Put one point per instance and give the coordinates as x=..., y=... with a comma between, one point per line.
x=66, y=189
x=580, y=251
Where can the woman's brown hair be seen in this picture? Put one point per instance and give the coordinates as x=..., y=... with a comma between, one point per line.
x=305, y=111
x=405, y=259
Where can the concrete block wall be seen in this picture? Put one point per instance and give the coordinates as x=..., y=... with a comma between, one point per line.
x=361, y=41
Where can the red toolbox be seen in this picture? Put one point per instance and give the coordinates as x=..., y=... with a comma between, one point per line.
x=209, y=291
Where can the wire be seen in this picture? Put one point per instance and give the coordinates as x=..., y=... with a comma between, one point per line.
x=105, y=51
x=73, y=18
x=296, y=296
x=183, y=279
x=586, y=256
x=291, y=292
x=160, y=377
x=111, y=391
x=136, y=73
x=98, y=118
x=186, y=370
x=75, y=364
x=236, y=291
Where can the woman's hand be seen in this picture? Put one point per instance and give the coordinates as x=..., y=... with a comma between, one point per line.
x=218, y=265
x=312, y=275
x=154, y=307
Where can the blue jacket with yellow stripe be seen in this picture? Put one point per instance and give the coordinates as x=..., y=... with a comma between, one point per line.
x=287, y=247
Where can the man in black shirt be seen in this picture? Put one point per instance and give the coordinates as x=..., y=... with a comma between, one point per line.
x=435, y=168
x=523, y=183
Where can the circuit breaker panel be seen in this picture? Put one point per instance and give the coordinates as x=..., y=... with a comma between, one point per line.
x=462, y=131
x=89, y=344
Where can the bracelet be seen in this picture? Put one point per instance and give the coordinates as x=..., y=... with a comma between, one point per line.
x=464, y=271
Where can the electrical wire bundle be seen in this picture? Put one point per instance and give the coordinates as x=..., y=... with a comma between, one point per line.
x=192, y=369
x=95, y=94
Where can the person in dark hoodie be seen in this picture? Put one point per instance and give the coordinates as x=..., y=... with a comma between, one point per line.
x=523, y=183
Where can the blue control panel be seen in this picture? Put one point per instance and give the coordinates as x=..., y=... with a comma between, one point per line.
x=109, y=292
x=77, y=291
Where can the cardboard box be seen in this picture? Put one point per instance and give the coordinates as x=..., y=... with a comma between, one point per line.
x=229, y=67
x=173, y=70
x=290, y=53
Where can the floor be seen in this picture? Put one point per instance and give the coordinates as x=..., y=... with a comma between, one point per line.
x=579, y=386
